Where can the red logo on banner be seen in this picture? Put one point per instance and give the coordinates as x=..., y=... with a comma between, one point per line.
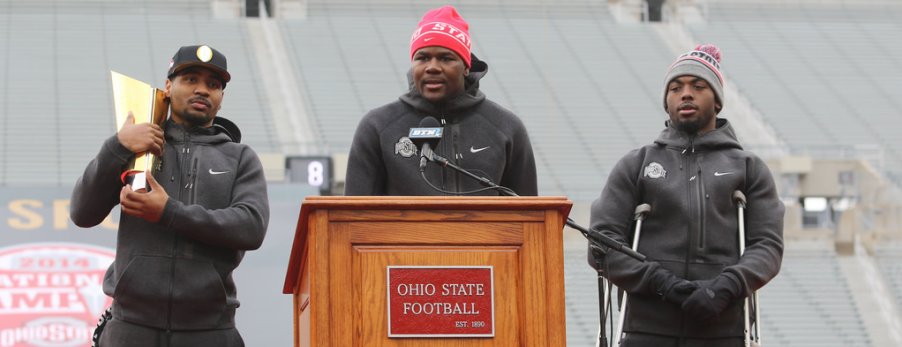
x=51, y=293
x=440, y=301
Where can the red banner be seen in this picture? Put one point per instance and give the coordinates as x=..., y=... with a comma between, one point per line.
x=440, y=301
x=50, y=293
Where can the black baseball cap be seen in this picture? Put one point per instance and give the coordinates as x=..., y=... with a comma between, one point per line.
x=200, y=55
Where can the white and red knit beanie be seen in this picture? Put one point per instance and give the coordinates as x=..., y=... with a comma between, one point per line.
x=702, y=62
x=443, y=27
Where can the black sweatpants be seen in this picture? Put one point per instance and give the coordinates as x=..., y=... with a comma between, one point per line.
x=123, y=334
x=648, y=340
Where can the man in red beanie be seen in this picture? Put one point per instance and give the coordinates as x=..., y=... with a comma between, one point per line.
x=479, y=135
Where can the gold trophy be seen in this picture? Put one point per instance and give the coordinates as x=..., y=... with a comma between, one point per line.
x=148, y=105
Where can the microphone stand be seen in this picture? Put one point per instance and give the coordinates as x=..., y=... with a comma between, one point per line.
x=593, y=236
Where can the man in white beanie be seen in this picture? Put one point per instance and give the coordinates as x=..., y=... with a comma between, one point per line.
x=690, y=291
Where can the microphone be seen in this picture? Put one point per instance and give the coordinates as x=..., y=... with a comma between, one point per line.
x=426, y=136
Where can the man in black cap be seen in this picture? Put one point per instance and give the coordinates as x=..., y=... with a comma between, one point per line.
x=179, y=242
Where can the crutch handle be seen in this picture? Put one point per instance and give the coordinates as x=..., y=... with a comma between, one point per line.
x=739, y=197
x=641, y=211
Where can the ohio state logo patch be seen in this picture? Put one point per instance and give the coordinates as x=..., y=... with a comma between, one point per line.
x=655, y=170
x=405, y=147
x=51, y=293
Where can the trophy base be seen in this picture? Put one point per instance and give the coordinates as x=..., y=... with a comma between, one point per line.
x=137, y=179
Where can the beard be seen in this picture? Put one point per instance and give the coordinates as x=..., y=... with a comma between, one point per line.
x=693, y=126
x=690, y=127
x=195, y=119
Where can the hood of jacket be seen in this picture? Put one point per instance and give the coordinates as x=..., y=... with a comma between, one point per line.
x=471, y=96
x=222, y=130
x=722, y=137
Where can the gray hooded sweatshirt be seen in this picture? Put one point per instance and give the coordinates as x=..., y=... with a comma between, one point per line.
x=176, y=274
x=479, y=135
x=692, y=229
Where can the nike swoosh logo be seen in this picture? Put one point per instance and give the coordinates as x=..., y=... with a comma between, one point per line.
x=217, y=172
x=722, y=173
x=427, y=39
x=477, y=150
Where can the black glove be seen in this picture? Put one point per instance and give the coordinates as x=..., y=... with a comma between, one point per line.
x=679, y=291
x=671, y=288
x=711, y=297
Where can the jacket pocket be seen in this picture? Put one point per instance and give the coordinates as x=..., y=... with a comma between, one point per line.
x=703, y=271
x=140, y=294
x=650, y=314
x=198, y=296
x=729, y=323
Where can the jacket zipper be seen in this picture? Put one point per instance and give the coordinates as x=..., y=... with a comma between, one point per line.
x=443, y=145
x=700, y=200
x=192, y=179
x=186, y=154
x=688, y=155
x=457, y=157
x=690, y=251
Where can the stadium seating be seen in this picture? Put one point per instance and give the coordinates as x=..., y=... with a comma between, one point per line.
x=588, y=88
x=889, y=260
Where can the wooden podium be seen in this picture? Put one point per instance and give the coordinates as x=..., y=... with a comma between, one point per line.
x=343, y=247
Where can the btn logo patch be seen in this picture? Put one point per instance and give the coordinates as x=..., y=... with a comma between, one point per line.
x=655, y=170
x=405, y=147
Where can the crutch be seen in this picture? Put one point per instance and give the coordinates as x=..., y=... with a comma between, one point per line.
x=739, y=197
x=641, y=211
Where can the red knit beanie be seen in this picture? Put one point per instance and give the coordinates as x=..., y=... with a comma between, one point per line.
x=443, y=27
